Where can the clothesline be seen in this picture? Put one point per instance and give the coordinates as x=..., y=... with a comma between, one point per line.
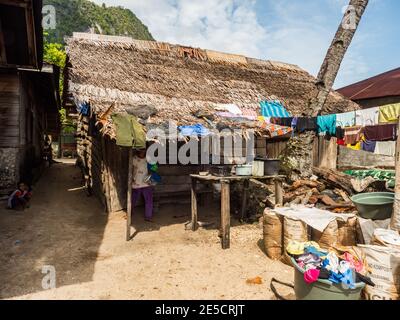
x=372, y=130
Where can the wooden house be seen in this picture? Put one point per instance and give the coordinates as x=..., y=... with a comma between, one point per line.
x=160, y=82
x=29, y=93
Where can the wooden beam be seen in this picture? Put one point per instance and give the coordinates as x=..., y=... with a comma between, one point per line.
x=395, y=219
x=244, y=199
x=129, y=198
x=278, y=192
x=31, y=35
x=225, y=214
x=3, y=56
x=194, y=205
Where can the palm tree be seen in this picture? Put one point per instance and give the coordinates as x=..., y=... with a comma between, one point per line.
x=336, y=52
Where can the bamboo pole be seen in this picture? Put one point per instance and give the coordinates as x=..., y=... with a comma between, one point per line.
x=129, y=198
x=395, y=220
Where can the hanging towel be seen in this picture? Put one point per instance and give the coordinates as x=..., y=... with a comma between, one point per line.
x=352, y=135
x=306, y=124
x=286, y=122
x=340, y=133
x=367, y=117
x=273, y=109
x=386, y=148
x=369, y=146
x=249, y=114
x=194, y=130
x=347, y=119
x=327, y=124
x=232, y=108
x=382, y=132
x=129, y=132
x=389, y=113
x=356, y=146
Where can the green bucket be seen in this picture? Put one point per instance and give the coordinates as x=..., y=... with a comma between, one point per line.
x=323, y=289
x=375, y=205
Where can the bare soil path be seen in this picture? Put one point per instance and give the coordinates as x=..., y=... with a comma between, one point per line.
x=70, y=231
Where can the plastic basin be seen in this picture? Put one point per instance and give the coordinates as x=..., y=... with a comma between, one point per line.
x=375, y=205
x=323, y=289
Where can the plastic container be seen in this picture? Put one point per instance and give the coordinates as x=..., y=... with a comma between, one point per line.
x=271, y=166
x=323, y=289
x=258, y=168
x=375, y=205
x=244, y=170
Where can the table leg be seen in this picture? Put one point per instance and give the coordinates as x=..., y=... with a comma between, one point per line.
x=225, y=214
x=194, y=206
x=245, y=195
x=278, y=192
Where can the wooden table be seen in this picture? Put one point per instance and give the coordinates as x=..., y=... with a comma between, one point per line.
x=225, y=198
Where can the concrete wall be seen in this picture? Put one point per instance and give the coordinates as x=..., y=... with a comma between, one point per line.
x=348, y=158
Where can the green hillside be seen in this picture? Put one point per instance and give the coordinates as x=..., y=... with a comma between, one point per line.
x=81, y=15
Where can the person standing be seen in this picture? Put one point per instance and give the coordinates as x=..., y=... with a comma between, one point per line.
x=141, y=184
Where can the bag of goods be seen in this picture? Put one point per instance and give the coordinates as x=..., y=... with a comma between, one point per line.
x=272, y=232
x=293, y=230
x=384, y=266
x=347, y=231
x=329, y=237
x=386, y=237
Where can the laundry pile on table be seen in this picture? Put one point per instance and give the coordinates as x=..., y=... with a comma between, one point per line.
x=317, y=264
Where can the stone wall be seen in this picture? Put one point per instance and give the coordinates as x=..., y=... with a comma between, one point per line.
x=348, y=158
x=9, y=168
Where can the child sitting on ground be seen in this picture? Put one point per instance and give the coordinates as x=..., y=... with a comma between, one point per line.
x=19, y=199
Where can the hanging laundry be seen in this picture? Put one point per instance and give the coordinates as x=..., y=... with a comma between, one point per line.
x=340, y=133
x=385, y=148
x=356, y=146
x=389, y=113
x=129, y=132
x=367, y=145
x=273, y=108
x=327, y=124
x=286, y=122
x=341, y=142
x=194, y=130
x=274, y=130
x=249, y=113
x=264, y=119
x=347, y=119
x=352, y=135
x=306, y=124
x=367, y=117
x=232, y=108
x=384, y=132
x=83, y=108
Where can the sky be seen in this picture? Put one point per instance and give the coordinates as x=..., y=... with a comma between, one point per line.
x=291, y=31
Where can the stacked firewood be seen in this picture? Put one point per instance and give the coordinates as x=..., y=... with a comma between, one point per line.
x=327, y=189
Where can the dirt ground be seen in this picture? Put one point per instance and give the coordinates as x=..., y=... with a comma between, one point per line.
x=67, y=229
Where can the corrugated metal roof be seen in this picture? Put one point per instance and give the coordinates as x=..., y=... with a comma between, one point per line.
x=384, y=85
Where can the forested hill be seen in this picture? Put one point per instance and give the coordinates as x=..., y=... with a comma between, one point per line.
x=82, y=15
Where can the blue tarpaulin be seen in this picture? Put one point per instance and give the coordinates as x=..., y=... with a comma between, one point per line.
x=273, y=109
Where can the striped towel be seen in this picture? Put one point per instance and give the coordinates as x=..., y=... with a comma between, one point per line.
x=273, y=109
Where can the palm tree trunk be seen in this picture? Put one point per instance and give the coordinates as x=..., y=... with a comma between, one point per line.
x=336, y=52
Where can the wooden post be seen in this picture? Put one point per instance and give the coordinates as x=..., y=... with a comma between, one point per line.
x=225, y=214
x=129, y=198
x=395, y=220
x=194, y=205
x=245, y=195
x=278, y=192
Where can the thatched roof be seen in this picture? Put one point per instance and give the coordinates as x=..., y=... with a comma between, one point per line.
x=177, y=81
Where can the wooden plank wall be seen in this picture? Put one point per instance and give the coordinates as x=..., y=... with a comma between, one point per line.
x=325, y=152
x=9, y=110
